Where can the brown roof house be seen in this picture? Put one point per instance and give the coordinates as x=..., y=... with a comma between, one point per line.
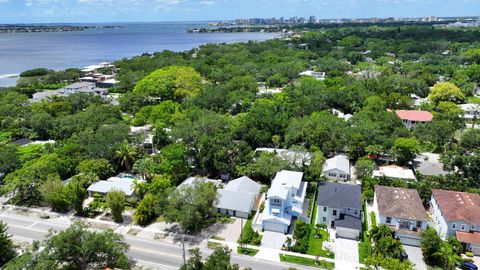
x=402, y=210
x=457, y=214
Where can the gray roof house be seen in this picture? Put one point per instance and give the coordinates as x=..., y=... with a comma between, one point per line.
x=428, y=164
x=337, y=168
x=340, y=207
x=239, y=197
x=122, y=183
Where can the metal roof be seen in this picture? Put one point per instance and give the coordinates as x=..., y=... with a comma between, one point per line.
x=339, y=162
x=235, y=200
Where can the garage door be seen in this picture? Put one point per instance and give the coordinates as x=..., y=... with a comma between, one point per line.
x=274, y=227
x=410, y=241
x=476, y=250
x=347, y=234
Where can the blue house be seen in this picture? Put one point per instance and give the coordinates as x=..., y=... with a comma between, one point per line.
x=285, y=202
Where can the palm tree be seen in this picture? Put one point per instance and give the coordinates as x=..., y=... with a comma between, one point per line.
x=126, y=155
x=448, y=255
x=144, y=167
x=289, y=243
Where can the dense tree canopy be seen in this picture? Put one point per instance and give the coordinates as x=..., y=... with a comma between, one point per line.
x=208, y=117
x=171, y=83
x=76, y=248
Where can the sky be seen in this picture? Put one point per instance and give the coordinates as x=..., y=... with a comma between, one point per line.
x=91, y=11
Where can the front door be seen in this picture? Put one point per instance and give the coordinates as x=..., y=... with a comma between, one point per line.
x=332, y=224
x=234, y=213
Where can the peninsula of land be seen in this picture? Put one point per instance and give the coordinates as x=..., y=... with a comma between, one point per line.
x=34, y=28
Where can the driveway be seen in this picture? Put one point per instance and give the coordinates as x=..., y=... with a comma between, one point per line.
x=416, y=257
x=230, y=231
x=346, y=250
x=273, y=240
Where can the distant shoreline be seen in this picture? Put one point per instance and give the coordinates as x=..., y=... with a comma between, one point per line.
x=238, y=29
x=23, y=28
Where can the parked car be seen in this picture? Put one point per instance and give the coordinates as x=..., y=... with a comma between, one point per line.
x=404, y=256
x=468, y=266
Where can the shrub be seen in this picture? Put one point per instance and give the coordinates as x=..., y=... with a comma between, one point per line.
x=249, y=236
x=469, y=254
x=145, y=211
x=116, y=202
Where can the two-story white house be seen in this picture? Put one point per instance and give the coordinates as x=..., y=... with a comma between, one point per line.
x=340, y=207
x=285, y=202
x=402, y=210
x=471, y=113
x=457, y=214
x=337, y=168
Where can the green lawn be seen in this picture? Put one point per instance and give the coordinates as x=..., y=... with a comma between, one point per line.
x=216, y=237
x=213, y=245
x=307, y=262
x=247, y=251
x=247, y=230
x=434, y=268
x=474, y=100
x=315, y=244
x=364, y=246
x=373, y=219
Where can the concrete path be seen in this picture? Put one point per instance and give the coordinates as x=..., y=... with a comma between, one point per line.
x=273, y=240
x=274, y=255
x=26, y=225
x=416, y=257
x=346, y=250
x=231, y=232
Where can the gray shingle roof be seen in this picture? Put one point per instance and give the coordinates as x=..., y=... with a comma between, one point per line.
x=339, y=195
x=349, y=222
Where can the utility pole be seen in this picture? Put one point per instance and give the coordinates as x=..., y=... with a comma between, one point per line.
x=183, y=250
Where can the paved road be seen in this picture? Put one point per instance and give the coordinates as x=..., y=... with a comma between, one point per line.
x=162, y=255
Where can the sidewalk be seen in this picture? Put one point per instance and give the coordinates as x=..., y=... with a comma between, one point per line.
x=274, y=255
x=263, y=254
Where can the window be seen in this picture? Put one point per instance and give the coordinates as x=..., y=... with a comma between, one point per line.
x=324, y=209
x=276, y=202
x=419, y=224
x=454, y=226
x=389, y=220
x=332, y=174
x=405, y=225
x=355, y=212
x=463, y=227
x=324, y=219
x=343, y=176
x=334, y=212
